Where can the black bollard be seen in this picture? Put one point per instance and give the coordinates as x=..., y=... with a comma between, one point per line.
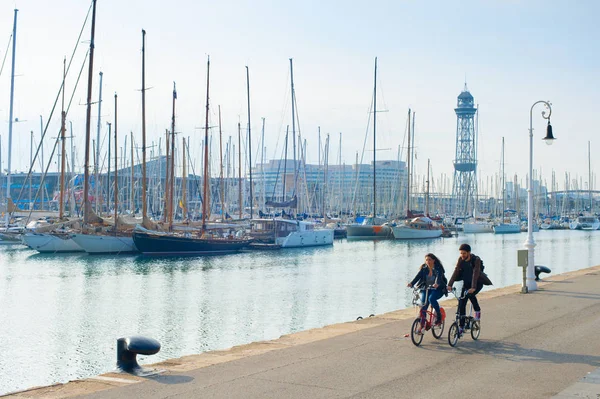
x=128, y=348
x=538, y=269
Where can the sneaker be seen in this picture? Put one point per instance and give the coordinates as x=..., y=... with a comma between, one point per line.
x=438, y=321
x=460, y=331
x=477, y=315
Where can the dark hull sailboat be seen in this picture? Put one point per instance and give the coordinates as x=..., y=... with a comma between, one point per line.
x=153, y=243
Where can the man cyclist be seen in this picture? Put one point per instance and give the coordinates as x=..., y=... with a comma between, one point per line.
x=468, y=269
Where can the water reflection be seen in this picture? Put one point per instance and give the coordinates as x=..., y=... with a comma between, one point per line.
x=62, y=314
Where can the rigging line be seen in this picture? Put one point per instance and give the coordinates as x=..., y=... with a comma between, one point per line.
x=6, y=53
x=58, y=97
x=361, y=158
x=277, y=176
x=58, y=138
x=283, y=112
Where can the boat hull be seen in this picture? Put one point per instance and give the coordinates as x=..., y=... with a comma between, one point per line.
x=105, y=244
x=366, y=232
x=473, y=228
x=168, y=244
x=311, y=238
x=407, y=233
x=507, y=229
x=51, y=243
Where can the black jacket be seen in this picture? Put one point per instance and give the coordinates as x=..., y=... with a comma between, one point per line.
x=438, y=273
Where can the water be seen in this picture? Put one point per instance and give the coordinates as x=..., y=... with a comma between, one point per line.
x=61, y=315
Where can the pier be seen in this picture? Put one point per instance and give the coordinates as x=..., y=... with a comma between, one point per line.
x=538, y=345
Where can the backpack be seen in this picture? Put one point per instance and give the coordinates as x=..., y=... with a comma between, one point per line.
x=482, y=267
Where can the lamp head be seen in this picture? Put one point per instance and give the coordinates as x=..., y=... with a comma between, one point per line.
x=549, y=136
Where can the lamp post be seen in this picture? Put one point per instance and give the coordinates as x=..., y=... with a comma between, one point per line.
x=531, y=285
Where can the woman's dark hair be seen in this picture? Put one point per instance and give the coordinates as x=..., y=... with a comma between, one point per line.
x=436, y=261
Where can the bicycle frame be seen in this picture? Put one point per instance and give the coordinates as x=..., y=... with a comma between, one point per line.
x=422, y=324
x=470, y=324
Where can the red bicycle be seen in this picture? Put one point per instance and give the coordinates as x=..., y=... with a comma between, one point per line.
x=420, y=326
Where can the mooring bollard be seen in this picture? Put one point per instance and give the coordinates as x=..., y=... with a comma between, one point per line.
x=538, y=269
x=128, y=348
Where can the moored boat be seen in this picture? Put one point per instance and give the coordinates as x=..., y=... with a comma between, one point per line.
x=157, y=243
x=289, y=233
x=51, y=242
x=419, y=227
x=370, y=228
x=105, y=243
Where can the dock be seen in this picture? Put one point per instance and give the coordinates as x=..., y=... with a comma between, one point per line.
x=538, y=345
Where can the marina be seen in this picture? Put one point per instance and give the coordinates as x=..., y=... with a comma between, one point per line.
x=77, y=305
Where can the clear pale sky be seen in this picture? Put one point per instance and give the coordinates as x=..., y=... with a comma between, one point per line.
x=511, y=53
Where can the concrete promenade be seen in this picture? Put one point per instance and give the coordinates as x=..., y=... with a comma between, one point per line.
x=538, y=345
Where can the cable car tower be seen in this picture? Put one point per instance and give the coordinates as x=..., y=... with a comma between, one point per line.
x=464, y=187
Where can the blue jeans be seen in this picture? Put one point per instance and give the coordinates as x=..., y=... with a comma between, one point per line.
x=432, y=298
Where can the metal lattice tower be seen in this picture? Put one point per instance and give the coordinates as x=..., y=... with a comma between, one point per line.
x=464, y=187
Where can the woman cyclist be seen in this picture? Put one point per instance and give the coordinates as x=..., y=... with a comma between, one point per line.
x=431, y=274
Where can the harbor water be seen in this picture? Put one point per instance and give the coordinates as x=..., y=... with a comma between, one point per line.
x=60, y=315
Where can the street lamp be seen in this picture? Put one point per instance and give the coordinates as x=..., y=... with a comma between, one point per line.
x=530, y=284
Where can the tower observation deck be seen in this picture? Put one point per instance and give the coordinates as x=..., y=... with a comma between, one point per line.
x=464, y=187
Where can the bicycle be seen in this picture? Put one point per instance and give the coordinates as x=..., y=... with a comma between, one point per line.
x=472, y=325
x=419, y=327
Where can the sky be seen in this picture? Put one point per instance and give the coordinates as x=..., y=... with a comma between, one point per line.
x=510, y=53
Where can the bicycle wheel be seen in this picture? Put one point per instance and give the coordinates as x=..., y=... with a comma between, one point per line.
x=475, y=329
x=416, y=335
x=438, y=330
x=453, y=334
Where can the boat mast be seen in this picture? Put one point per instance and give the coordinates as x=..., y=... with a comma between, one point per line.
x=10, y=119
x=262, y=164
x=167, y=177
x=287, y=131
x=427, y=194
x=249, y=141
x=408, y=165
x=172, y=168
x=503, y=182
x=221, y=166
x=293, y=123
x=62, y=139
x=97, y=160
x=86, y=172
x=116, y=190
x=589, y=178
x=144, y=205
x=184, y=185
x=240, y=168
x=132, y=199
x=374, y=140
x=206, y=176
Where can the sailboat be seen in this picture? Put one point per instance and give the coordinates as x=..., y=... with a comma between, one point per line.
x=116, y=240
x=586, y=221
x=7, y=237
x=288, y=233
x=508, y=225
x=420, y=226
x=372, y=227
x=205, y=242
x=57, y=237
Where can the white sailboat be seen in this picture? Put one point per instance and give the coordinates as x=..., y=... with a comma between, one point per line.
x=508, y=225
x=371, y=227
x=473, y=226
x=585, y=223
x=421, y=226
x=8, y=236
x=289, y=233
